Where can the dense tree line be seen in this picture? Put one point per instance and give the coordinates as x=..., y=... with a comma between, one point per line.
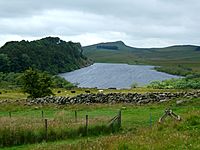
x=14, y=80
x=107, y=47
x=48, y=54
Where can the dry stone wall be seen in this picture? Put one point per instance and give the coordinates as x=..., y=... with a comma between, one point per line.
x=112, y=98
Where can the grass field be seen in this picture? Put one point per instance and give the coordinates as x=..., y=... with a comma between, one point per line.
x=140, y=127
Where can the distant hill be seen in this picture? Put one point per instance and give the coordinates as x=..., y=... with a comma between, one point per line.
x=186, y=57
x=103, y=52
x=49, y=54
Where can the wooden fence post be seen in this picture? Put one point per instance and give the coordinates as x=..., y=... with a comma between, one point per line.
x=42, y=114
x=150, y=120
x=10, y=114
x=120, y=119
x=75, y=116
x=86, y=124
x=46, y=129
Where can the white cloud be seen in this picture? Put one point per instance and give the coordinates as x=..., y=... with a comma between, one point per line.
x=151, y=23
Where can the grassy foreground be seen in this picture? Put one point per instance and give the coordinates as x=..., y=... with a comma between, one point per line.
x=140, y=127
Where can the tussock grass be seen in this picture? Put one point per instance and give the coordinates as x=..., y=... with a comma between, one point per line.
x=29, y=135
x=169, y=135
x=27, y=130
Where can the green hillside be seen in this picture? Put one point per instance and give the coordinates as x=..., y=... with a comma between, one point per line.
x=180, y=59
x=48, y=54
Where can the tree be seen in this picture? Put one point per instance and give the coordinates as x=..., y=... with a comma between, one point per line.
x=36, y=84
x=4, y=62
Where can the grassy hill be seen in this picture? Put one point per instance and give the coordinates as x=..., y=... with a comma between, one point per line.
x=180, y=59
x=48, y=54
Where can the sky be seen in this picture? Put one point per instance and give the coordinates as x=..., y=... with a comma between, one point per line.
x=138, y=23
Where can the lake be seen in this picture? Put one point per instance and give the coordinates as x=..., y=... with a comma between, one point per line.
x=107, y=75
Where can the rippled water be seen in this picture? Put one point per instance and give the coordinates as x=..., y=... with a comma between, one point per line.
x=106, y=75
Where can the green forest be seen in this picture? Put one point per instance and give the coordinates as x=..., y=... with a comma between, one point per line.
x=48, y=54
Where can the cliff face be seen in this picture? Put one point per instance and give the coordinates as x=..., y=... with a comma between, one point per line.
x=48, y=54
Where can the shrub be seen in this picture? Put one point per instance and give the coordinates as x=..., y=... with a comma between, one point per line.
x=59, y=82
x=183, y=83
x=134, y=85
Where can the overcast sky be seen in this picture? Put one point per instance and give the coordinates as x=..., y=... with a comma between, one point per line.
x=139, y=23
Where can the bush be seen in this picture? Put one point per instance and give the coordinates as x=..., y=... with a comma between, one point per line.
x=59, y=82
x=183, y=83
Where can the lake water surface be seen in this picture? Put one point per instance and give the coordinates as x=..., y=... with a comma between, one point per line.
x=106, y=75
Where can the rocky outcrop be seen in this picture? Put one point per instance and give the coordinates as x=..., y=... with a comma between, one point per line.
x=112, y=98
